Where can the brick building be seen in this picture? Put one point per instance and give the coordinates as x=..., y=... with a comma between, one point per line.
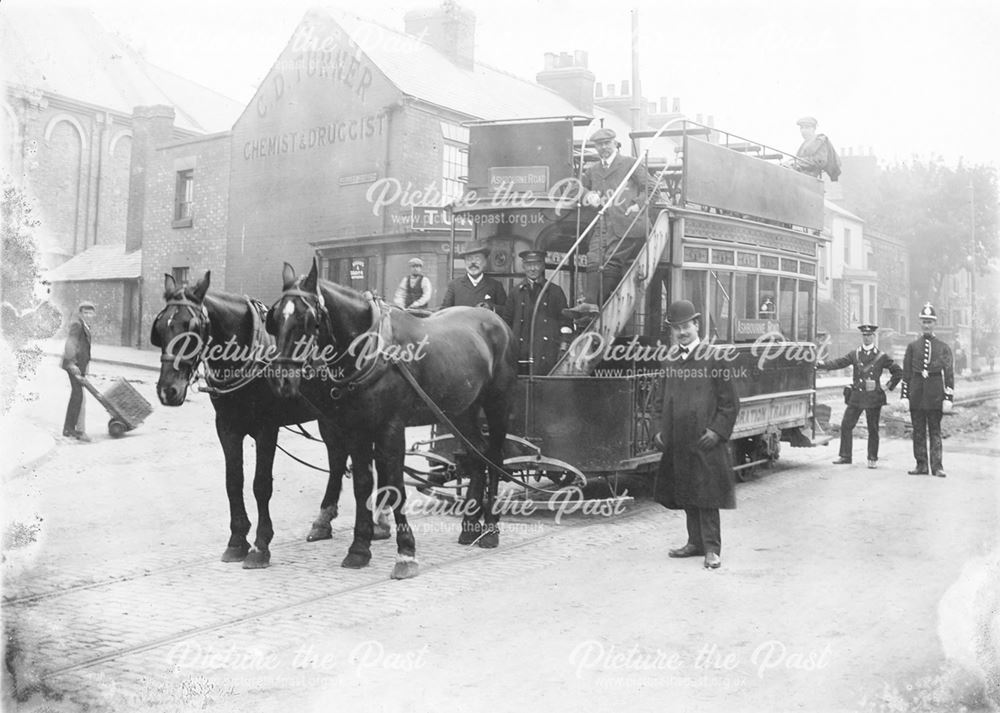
x=67, y=133
x=349, y=151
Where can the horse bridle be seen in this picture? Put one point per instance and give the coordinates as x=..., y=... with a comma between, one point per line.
x=198, y=313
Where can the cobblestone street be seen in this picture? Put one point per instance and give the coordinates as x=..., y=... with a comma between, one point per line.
x=841, y=589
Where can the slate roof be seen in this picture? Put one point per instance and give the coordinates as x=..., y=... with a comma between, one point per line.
x=98, y=262
x=485, y=92
x=65, y=51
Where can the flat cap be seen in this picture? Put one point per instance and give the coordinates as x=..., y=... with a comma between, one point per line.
x=603, y=135
x=416, y=261
x=807, y=121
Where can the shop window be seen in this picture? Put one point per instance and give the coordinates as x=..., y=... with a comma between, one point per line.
x=181, y=275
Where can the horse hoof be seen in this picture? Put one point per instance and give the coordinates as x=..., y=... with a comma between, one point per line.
x=405, y=570
x=381, y=532
x=489, y=540
x=319, y=533
x=235, y=554
x=257, y=560
x=355, y=561
x=469, y=534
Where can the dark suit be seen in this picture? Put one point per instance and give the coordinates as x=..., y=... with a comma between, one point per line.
x=615, y=223
x=76, y=352
x=866, y=394
x=928, y=381
x=462, y=293
x=548, y=326
x=698, y=394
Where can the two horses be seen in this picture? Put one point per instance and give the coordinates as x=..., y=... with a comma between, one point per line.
x=195, y=326
x=373, y=370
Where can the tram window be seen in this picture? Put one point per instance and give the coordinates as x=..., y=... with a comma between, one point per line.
x=694, y=290
x=786, y=307
x=804, y=315
x=767, y=297
x=745, y=296
x=720, y=318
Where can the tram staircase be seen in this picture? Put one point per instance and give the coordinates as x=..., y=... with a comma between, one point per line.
x=619, y=307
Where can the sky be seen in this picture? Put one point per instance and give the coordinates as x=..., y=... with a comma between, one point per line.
x=899, y=78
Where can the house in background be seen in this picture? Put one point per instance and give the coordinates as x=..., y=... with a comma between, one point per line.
x=67, y=134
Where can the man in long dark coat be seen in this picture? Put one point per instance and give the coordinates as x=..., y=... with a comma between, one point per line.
x=929, y=386
x=868, y=362
x=622, y=219
x=475, y=289
x=76, y=359
x=552, y=329
x=699, y=411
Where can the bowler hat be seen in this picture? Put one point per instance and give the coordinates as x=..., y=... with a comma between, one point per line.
x=602, y=135
x=928, y=312
x=86, y=304
x=532, y=256
x=868, y=328
x=416, y=261
x=680, y=312
x=476, y=247
x=807, y=121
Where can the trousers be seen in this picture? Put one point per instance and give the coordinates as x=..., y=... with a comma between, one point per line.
x=74, y=409
x=704, y=529
x=927, y=426
x=851, y=416
x=601, y=283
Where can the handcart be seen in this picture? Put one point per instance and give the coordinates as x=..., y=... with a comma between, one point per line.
x=127, y=407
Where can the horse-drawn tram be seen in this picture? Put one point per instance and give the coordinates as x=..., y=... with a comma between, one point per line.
x=722, y=223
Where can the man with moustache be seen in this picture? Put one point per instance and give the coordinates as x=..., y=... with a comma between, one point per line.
x=474, y=289
x=552, y=329
x=928, y=389
x=868, y=362
x=607, y=260
x=700, y=406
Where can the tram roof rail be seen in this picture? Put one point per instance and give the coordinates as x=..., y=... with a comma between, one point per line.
x=577, y=119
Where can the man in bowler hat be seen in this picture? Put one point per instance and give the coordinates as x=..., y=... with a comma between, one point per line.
x=928, y=389
x=552, y=329
x=868, y=362
x=475, y=289
x=617, y=239
x=699, y=411
x=76, y=359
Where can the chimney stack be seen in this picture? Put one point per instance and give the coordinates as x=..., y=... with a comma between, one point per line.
x=450, y=29
x=567, y=75
x=152, y=126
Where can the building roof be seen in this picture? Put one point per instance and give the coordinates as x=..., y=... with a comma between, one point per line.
x=843, y=213
x=98, y=262
x=418, y=69
x=65, y=51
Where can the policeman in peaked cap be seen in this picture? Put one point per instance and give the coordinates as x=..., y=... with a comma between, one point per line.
x=929, y=388
x=475, y=289
x=865, y=392
x=699, y=411
x=552, y=327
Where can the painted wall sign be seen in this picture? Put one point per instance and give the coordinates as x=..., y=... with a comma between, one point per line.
x=343, y=131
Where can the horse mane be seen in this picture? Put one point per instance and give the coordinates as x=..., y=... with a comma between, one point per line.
x=349, y=310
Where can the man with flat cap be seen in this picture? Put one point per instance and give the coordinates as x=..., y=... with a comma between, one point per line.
x=816, y=154
x=552, y=329
x=865, y=392
x=414, y=291
x=75, y=360
x=609, y=255
x=699, y=411
x=474, y=289
x=928, y=390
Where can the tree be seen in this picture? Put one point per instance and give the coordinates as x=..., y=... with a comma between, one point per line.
x=18, y=253
x=947, y=215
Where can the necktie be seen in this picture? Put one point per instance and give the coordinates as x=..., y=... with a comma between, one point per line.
x=684, y=352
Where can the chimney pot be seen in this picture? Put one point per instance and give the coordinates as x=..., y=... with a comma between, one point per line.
x=565, y=59
x=550, y=61
x=611, y=89
x=598, y=90
x=677, y=105
x=625, y=88
x=664, y=105
x=581, y=58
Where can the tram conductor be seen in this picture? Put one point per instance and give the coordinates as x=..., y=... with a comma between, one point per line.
x=699, y=411
x=866, y=394
x=552, y=328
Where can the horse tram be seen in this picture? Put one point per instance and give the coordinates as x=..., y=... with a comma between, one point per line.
x=726, y=225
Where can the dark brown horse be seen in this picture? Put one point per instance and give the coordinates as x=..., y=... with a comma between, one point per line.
x=196, y=325
x=461, y=357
